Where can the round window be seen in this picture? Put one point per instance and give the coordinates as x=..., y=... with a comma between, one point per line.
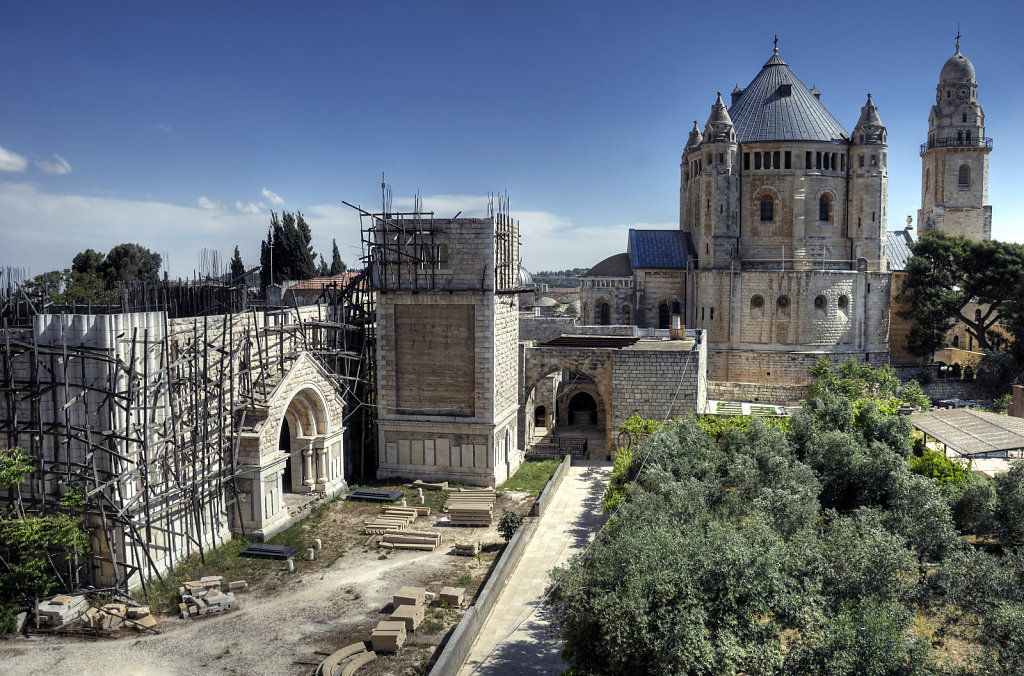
x=757, y=301
x=783, y=301
x=819, y=302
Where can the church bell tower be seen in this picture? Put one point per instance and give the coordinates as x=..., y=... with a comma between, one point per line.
x=954, y=160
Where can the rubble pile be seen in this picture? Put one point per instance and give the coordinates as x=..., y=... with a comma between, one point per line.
x=204, y=597
x=61, y=609
x=117, y=615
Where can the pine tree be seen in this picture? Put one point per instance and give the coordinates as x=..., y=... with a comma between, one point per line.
x=287, y=252
x=337, y=265
x=237, y=267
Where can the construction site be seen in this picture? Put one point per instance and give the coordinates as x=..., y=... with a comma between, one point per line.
x=191, y=413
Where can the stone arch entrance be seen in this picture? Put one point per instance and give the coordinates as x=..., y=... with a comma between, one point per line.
x=307, y=425
x=582, y=409
x=553, y=376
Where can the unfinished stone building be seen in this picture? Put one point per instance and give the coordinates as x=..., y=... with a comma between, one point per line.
x=181, y=431
x=447, y=326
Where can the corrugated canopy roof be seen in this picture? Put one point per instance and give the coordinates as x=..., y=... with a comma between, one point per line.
x=969, y=432
x=897, y=248
x=777, y=106
x=657, y=249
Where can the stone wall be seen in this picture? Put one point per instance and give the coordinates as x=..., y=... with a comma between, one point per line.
x=777, y=368
x=543, y=329
x=658, y=384
x=789, y=395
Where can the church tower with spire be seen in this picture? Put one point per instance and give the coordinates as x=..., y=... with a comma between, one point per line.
x=955, y=158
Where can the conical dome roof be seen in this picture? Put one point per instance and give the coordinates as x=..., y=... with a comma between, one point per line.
x=869, y=115
x=719, y=126
x=958, y=69
x=695, y=137
x=777, y=106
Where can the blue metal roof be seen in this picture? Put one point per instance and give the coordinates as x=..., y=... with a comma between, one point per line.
x=657, y=249
x=777, y=106
x=897, y=248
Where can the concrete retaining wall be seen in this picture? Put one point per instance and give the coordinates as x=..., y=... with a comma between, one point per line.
x=548, y=494
x=461, y=641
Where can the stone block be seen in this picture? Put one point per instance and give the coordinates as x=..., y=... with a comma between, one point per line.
x=453, y=596
x=411, y=615
x=409, y=596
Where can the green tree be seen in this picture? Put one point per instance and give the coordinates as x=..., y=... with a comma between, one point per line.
x=88, y=261
x=862, y=639
x=33, y=547
x=947, y=273
x=337, y=265
x=287, y=253
x=131, y=262
x=237, y=267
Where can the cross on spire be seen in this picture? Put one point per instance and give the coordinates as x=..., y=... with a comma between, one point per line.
x=776, y=41
x=958, y=38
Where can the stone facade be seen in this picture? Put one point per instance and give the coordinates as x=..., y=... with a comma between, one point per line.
x=447, y=360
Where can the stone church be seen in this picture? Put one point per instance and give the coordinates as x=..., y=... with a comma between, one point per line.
x=782, y=252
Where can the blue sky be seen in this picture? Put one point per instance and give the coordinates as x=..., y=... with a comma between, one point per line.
x=181, y=125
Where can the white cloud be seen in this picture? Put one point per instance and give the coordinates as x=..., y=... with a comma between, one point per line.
x=164, y=128
x=60, y=166
x=12, y=161
x=271, y=196
x=43, y=231
x=249, y=208
x=205, y=202
x=547, y=241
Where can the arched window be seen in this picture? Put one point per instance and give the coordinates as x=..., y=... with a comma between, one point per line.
x=825, y=208
x=757, y=307
x=965, y=176
x=625, y=314
x=767, y=209
x=605, y=314
x=782, y=307
x=956, y=341
x=927, y=180
x=820, y=307
x=663, y=316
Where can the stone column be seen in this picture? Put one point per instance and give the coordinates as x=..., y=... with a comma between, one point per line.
x=323, y=470
x=307, y=466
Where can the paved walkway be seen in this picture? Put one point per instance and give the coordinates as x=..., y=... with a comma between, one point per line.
x=515, y=638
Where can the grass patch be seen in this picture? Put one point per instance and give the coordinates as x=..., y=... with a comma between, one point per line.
x=163, y=595
x=432, y=626
x=532, y=476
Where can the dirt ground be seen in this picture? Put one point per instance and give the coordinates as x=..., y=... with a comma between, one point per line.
x=288, y=622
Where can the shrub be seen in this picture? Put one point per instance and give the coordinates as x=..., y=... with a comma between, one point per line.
x=509, y=524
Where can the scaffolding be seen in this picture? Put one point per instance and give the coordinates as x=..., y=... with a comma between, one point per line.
x=144, y=411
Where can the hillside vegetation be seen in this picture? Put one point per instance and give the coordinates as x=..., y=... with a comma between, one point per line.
x=834, y=544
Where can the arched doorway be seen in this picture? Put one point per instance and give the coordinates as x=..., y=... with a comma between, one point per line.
x=582, y=409
x=284, y=444
x=540, y=416
x=304, y=428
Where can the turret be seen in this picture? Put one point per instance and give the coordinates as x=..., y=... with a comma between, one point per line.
x=869, y=188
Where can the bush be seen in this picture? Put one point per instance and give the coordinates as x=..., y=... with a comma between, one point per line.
x=618, y=485
x=509, y=524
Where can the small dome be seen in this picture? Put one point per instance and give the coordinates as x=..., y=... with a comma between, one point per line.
x=957, y=69
x=525, y=277
x=546, y=301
